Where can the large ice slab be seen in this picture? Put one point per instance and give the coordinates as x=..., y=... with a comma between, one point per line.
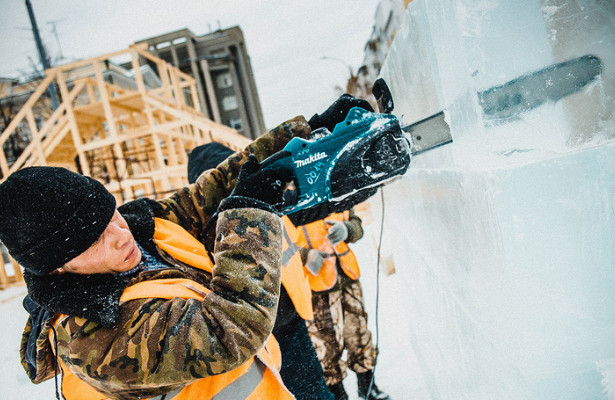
x=505, y=239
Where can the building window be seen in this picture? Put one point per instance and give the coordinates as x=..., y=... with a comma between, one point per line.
x=229, y=103
x=235, y=123
x=224, y=80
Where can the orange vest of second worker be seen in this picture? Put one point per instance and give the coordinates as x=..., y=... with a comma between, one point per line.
x=258, y=383
x=314, y=236
x=294, y=276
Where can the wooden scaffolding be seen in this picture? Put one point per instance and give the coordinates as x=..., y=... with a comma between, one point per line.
x=131, y=130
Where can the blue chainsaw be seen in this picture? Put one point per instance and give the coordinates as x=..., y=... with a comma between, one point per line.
x=368, y=149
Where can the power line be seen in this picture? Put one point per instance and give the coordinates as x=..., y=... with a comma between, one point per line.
x=54, y=31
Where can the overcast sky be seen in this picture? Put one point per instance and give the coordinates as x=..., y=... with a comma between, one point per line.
x=286, y=39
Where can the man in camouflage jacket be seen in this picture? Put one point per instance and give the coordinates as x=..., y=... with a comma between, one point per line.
x=148, y=347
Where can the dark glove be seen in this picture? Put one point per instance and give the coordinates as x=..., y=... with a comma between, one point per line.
x=257, y=188
x=38, y=316
x=337, y=112
x=337, y=232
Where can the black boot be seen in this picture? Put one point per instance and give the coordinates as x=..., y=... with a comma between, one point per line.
x=364, y=379
x=338, y=391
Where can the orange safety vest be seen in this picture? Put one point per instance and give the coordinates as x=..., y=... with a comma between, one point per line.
x=184, y=247
x=294, y=277
x=256, y=379
x=314, y=236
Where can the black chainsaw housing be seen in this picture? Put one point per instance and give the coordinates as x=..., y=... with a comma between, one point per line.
x=371, y=162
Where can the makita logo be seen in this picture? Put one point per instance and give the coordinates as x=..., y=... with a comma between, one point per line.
x=310, y=159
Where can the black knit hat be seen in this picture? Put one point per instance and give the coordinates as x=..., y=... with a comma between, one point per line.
x=50, y=215
x=205, y=157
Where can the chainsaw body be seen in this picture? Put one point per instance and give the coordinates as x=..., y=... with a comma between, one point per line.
x=363, y=151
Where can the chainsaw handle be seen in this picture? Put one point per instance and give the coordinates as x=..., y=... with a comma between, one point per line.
x=280, y=160
x=383, y=96
x=283, y=160
x=277, y=160
x=303, y=159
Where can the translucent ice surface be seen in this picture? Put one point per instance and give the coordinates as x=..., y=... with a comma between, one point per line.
x=505, y=239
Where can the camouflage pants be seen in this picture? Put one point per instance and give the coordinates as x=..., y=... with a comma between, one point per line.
x=340, y=323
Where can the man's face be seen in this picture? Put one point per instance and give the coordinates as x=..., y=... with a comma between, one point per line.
x=115, y=251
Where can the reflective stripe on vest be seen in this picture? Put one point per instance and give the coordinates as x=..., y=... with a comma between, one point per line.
x=314, y=236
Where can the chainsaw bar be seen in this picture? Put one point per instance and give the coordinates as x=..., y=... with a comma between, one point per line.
x=369, y=149
x=504, y=103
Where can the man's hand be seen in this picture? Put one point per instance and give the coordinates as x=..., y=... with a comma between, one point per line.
x=257, y=188
x=314, y=261
x=337, y=112
x=266, y=185
x=337, y=232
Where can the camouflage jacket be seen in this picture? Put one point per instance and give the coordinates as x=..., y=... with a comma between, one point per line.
x=152, y=346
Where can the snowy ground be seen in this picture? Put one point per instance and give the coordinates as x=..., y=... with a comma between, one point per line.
x=397, y=371
x=15, y=382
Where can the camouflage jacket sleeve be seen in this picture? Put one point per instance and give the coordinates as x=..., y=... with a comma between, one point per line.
x=192, y=207
x=355, y=228
x=161, y=345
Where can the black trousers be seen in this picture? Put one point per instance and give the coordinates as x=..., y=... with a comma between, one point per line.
x=301, y=371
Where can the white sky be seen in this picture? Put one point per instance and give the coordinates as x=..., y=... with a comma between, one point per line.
x=286, y=39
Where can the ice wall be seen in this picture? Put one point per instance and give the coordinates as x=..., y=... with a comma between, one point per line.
x=505, y=239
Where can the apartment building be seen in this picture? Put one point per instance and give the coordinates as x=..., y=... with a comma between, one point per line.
x=220, y=64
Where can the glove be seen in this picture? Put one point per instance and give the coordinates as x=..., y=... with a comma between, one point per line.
x=38, y=316
x=337, y=232
x=314, y=261
x=256, y=187
x=337, y=112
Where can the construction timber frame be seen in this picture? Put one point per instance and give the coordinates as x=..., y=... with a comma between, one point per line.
x=10, y=272
x=134, y=138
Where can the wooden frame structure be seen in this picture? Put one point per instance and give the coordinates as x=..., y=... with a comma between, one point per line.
x=9, y=279
x=135, y=140
x=133, y=137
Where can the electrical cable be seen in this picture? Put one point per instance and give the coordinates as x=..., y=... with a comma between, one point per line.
x=55, y=371
x=371, y=383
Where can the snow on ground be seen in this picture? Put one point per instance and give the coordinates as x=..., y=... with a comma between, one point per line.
x=397, y=371
x=14, y=381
